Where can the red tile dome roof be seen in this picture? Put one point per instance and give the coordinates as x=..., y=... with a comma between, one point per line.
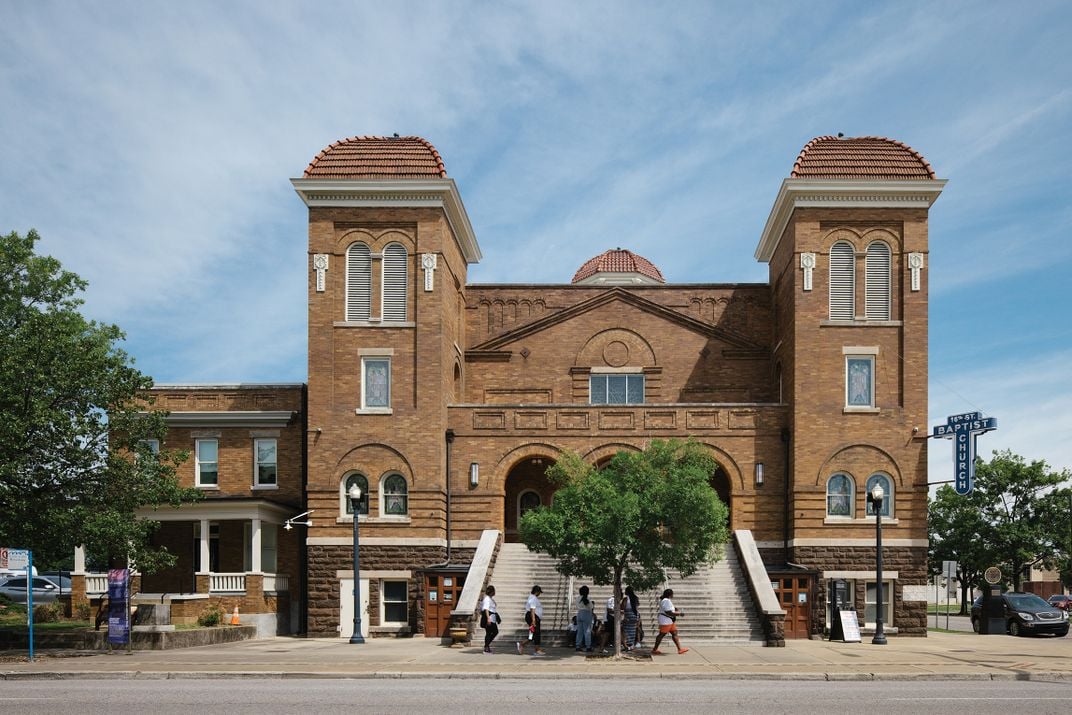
x=618, y=260
x=873, y=158
x=369, y=157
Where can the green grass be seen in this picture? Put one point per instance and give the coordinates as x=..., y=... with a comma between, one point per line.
x=953, y=608
x=12, y=624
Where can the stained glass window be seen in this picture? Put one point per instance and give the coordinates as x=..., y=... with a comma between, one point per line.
x=377, y=382
x=839, y=493
x=395, y=496
x=860, y=381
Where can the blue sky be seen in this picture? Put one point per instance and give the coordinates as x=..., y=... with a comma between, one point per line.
x=151, y=144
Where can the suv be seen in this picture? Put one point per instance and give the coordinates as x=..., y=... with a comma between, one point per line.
x=1062, y=601
x=1026, y=614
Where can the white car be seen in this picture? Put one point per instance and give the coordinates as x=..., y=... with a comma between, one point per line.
x=44, y=591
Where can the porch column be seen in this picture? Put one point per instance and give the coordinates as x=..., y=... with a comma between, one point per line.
x=79, y=560
x=255, y=547
x=205, y=566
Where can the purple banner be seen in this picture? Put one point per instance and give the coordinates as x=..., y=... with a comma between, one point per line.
x=118, y=589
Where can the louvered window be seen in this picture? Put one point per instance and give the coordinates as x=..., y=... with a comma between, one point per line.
x=842, y=281
x=394, y=282
x=358, y=282
x=878, y=281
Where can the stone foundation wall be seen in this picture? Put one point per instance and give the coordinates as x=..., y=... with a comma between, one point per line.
x=910, y=563
x=326, y=561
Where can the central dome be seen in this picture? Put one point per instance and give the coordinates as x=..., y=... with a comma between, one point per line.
x=618, y=266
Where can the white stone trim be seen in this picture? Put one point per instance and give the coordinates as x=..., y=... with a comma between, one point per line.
x=850, y=350
x=807, y=263
x=890, y=575
x=841, y=193
x=866, y=521
x=915, y=265
x=408, y=193
x=390, y=541
x=376, y=352
x=914, y=593
x=374, y=574
x=231, y=418
x=840, y=542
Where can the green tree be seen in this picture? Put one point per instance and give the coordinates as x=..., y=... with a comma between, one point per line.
x=641, y=514
x=74, y=423
x=1025, y=509
x=955, y=524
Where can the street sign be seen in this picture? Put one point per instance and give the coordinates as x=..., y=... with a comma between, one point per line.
x=963, y=430
x=949, y=569
x=14, y=559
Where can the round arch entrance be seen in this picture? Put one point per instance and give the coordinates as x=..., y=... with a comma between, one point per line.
x=527, y=487
x=720, y=482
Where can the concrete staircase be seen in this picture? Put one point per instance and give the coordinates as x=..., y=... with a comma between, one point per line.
x=718, y=607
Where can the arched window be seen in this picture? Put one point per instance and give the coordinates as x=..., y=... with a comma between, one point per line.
x=358, y=282
x=877, y=277
x=887, y=489
x=394, y=282
x=842, y=281
x=345, y=507
x=527, y=501
x=395, y=496
x=839, y=495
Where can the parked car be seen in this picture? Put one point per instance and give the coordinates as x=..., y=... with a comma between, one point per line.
x=44, y=591
x=1026, y=614
x=1061, y=600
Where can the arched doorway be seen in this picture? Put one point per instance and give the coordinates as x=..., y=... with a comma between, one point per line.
x=527, y=487
x=720, y=482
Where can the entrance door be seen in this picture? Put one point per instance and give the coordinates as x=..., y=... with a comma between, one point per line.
x=346, y=607
x=442, y=591
x=794, y=594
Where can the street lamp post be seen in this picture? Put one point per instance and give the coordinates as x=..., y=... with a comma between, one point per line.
x=355, y=504
x=875, y=497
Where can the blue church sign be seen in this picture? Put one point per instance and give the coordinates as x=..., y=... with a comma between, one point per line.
x=963, y=429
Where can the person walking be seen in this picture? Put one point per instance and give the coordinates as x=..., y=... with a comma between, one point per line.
x=489, y=617
x=533, y=615
x=630, y=618
x=586, y=616
x=668, y=616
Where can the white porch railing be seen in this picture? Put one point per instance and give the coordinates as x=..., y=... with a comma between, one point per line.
x=227, y=583
x=96, y=584
x=276, y=582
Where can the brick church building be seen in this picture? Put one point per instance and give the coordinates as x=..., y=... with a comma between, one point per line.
x=445, y=401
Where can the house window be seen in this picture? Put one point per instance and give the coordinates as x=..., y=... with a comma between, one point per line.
x=877, y=279
x=344, y=496
x=395, y=602
x=860, y=381
x=842, y=281
x=871, y=603
x=207, y=463
x=616, y=389
x=395, y=269
x=147, y=448
x=887, y=488
x=375, y=383
x=264, y=468
x=395, y=495
x=839, y=495
x=358, y=282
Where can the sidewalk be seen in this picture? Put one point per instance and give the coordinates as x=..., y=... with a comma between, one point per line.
x=941, y=656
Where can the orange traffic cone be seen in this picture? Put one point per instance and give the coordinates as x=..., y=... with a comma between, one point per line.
x=234, y=617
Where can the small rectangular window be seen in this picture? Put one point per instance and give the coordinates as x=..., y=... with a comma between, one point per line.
x=395, y=601
x=871, y=603
x=616, y=389
x=375, y=383
x=264, y=454
x=207, y=463
x=860, y=381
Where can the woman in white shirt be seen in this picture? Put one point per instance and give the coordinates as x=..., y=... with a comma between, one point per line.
x=586, y=616
x=667, y=617
x=533, y=615
x=490, y=617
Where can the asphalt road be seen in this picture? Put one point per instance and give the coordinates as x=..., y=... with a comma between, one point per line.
x=531, y=696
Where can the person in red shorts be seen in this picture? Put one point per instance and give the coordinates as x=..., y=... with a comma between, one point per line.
x=667, y=617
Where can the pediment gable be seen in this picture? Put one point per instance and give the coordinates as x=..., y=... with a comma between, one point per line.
x=736, y=343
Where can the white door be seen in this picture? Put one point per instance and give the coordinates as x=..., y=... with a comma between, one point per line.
x=346, y=607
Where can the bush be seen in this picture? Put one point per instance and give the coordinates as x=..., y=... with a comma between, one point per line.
x=82, y=611
x=211, y=616
x=48, y=612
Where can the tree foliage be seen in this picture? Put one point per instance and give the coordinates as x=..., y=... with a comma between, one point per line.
x=1016, y=517
x=74, y=462
x=641, y=514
